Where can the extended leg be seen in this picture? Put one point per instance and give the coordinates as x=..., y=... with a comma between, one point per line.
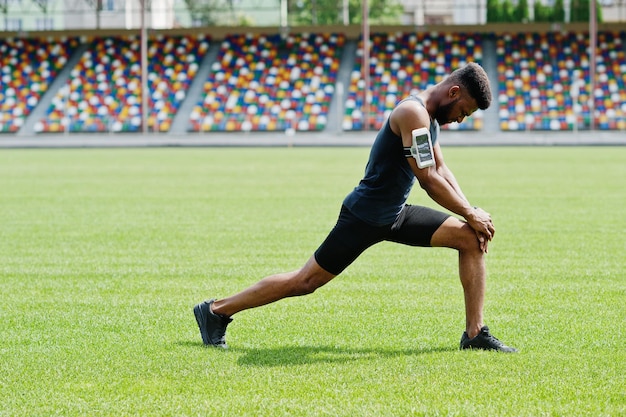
x=213, y=316
x=275, y=287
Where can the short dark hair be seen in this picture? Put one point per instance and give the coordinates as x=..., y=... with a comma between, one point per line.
x=474, y=78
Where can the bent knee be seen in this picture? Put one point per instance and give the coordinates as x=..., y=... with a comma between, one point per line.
x=468, y=242
x=456, y=234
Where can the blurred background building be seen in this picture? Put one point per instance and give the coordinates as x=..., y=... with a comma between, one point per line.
x=35, y=15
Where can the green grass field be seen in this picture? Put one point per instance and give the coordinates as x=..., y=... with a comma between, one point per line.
x=103, y=254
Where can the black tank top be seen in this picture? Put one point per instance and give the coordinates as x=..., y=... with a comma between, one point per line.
x=388, y=179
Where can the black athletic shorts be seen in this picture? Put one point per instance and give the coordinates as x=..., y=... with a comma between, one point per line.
x=414, y=226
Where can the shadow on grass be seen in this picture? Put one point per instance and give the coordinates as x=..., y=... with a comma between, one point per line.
x=302, y=355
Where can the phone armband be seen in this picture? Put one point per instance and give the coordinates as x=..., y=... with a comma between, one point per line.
x=422, y=148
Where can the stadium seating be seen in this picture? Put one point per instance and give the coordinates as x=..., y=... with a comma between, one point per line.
x=27, y=68
x=278, y=82
x=543, y=81
x=403, y=63
x=103, y=92
x=174, y=64
x=271, y=82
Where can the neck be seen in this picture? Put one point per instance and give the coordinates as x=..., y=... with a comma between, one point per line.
x=428, y=98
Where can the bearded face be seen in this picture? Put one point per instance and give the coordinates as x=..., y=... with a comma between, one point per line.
x=444, y=114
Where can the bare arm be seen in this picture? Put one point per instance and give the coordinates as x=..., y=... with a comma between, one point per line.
x=445, y=172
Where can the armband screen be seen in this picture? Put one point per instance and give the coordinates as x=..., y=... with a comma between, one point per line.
x=422, y=148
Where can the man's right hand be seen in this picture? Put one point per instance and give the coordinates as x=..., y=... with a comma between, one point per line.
x=481, y=222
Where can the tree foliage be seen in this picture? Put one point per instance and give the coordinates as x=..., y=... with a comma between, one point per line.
x=493, y=11
x=580, y=11
x=559, y=12
x=542, y=13
x=507, y=14
x=506, y=11
x=521, y=12
x=330, y=12
x=208, y=12
x=301, y=12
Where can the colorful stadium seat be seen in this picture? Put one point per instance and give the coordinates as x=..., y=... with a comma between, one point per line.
x=270, y=82
x=282, y=82
x=28, y=66
x=402, y=64
x=104, y=90
x=543, y=81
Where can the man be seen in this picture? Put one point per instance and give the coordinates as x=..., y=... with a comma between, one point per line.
x=376, y=210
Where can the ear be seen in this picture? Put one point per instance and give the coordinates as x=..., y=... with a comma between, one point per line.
x=454, y=91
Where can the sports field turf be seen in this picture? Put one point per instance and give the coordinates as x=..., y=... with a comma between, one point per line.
x=103, y=254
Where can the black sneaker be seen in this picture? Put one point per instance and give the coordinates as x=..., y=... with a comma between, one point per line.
x=212, y=326
x=485, y=341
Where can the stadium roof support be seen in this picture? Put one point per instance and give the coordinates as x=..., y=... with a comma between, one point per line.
x=366, y=65
x=593, y=41
x=144, y=69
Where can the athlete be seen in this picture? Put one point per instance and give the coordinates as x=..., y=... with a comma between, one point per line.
x=376, y=210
